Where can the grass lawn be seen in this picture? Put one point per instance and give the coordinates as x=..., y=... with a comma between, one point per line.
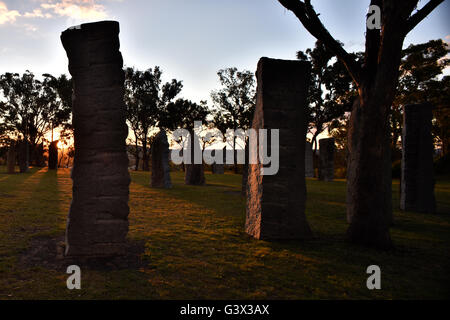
x=196, y=247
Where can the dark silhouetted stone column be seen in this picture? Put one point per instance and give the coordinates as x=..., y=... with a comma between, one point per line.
x=98, y=217
x=276, y=203
x=53, y=155
x=11, y=159
x=217, y=168
x=194, y=173
x=309, y=161
x=160, y=162
x=326, y=159
x=417, y=186
x=23, y=156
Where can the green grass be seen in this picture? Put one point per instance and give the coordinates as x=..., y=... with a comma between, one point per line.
x=196, y=247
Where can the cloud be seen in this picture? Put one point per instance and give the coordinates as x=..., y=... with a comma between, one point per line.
x=37, y=13
x=7, y=16
x=76, y=9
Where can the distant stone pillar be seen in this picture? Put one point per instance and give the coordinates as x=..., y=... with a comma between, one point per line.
x=160, y=162
x=98, y=217
x=326, y=159
x=53, y=156
x=11, y=159
x=276, y=203
x=417, y=185
x=23, y=156
x=309, y=161
x=217, y=168
x=194, y=173
x=40, y=160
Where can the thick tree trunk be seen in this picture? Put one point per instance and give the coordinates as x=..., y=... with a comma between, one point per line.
x=369, y=180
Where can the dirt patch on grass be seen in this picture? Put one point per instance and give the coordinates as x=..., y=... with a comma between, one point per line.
x=48, y=253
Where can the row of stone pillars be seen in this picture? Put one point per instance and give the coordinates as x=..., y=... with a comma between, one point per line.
x=326, y=160
x=98, y=217
x=18, y=152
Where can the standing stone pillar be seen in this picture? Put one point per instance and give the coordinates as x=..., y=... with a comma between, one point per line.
x=309, y=162
x=326, y=159
x=194, y=173
x=53, y=156
x=417, y=186
x=276, y=203
x=98, y=217
x=217, y=168
x=23, y=156
x=160, y=162
x=11, y=159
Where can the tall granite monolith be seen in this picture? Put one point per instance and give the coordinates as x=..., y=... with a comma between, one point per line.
x=160, y=162
x=276, y=203
x=98, y=217
x=218, y=168
x=23, y=156
x=417, y=185
x=194, y=171
x=309, y=161
x=11, y=159
x=326, y=159
x=53, y=156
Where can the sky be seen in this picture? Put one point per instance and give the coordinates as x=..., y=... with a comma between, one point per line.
x=189, y=39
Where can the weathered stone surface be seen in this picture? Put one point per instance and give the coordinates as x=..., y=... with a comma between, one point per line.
x=326, y=162
x=245, y=170
x=11, y=159
x=23, y=156
x=53, y=156
x=218, y=168
x=276, y=204
x=98, y=217
x=160, y=162
x=417, y=185
x=309, y=161
x=194, y=173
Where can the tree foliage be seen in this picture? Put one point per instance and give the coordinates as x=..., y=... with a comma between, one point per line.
x=235, y=102
x=146, y=98
x=330, y=91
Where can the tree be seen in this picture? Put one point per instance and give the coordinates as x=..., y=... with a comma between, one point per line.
x=235, y=102
x=330, y=93
x=369, y=205
x=182, y=114
x=442, y=115
x=32, y=107
x=420, y=68
x=145, y=99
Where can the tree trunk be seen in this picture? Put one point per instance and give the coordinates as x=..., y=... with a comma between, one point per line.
x=136, y=155
x=369, y=196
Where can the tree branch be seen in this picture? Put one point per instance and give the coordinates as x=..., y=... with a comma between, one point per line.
x=373, y=39
x=309, y=18
x=416, y=18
